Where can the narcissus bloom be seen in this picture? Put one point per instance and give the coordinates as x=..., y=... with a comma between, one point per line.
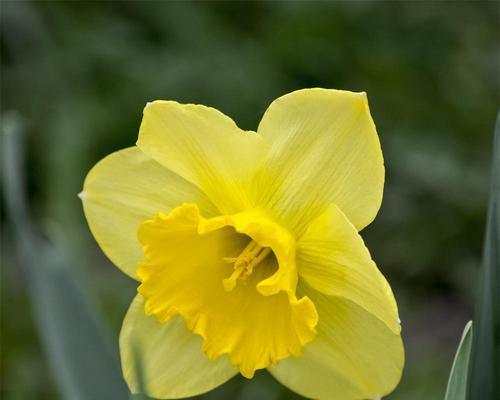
x=247, y=250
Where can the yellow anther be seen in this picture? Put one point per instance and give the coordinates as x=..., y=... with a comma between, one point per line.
x=252, y=255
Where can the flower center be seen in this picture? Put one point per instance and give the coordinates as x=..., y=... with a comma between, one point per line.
x=251, y=256
x=256, y=323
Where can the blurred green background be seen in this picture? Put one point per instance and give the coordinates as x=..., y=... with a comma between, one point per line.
x=79, y=74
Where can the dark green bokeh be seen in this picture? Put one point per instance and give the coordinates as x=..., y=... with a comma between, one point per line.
x=79, y=74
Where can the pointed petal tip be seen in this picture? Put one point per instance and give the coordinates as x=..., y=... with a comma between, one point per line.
x=82, y=195
x=147, y=106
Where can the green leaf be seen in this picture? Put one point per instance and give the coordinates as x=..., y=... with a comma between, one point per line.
x=73, y=337
x=484, y=369
x=457, y=382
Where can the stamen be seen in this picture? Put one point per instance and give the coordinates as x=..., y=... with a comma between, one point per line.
x=251, y=256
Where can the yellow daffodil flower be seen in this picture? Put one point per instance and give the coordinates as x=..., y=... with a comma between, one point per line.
x=247, y=250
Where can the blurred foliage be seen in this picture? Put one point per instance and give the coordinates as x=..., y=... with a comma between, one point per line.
x=79, y=74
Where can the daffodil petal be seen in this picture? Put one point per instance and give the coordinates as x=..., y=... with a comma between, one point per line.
x=124, y=189
x=333, y=259
x=324, y=149
x=169, y=355
x=354, y=356
x=205, y=147
x=184, y=274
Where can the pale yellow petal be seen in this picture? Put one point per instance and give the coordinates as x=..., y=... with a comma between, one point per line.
x=323, y=149
x=124, y=189
x=333, y=259
x=187, y=272
x=354, y=356
x=205, y=147
x=171, y=361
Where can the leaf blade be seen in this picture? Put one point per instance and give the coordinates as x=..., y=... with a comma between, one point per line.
x=484, y=368
x=457, y=381
x=74, y=339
